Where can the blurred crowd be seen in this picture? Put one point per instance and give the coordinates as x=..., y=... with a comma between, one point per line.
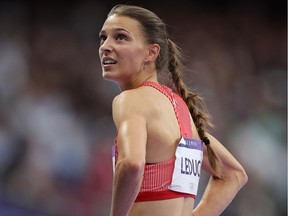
x=56, y=129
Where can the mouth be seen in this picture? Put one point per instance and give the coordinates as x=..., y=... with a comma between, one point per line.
x=108, y=61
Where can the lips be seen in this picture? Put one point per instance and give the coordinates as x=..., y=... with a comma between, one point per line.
x=108, y=61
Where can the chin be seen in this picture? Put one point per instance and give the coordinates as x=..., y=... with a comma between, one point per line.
x=108, y=76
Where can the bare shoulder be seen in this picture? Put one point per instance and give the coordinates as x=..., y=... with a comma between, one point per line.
x=129, y=99
x=129, y=103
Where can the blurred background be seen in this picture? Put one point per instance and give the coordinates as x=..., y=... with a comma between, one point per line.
x=56, y=130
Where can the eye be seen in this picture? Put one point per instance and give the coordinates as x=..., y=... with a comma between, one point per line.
x=102, y=38
x=121, y=37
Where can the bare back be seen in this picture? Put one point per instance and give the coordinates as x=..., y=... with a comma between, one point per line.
x=163, y=135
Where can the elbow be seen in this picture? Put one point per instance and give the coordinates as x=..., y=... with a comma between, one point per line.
x=242, y=178
x=135, y=166
x=131, y=166
x=237, y=176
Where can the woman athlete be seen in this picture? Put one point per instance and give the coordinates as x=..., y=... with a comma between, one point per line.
x=161, y=143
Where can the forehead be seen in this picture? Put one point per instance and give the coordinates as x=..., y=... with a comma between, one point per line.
x=115, y=22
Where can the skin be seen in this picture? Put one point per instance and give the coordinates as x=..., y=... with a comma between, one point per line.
x=122, y=41
x=146, y=134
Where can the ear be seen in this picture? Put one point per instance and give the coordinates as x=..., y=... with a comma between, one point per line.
x=154, y=50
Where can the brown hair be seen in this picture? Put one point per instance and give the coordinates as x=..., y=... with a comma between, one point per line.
x=154, y=30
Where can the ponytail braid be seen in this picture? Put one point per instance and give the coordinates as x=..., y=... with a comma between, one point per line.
x=194, y=102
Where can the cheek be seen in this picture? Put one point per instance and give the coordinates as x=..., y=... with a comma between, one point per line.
x=135, y=58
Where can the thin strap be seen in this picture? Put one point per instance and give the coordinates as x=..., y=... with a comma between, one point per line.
x=179, y=106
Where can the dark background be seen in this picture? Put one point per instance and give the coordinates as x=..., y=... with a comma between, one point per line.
x=56, y=130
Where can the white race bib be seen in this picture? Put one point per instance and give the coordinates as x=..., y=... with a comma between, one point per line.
x=186, y=174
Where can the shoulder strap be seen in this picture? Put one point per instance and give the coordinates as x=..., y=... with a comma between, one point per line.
x=180, y=107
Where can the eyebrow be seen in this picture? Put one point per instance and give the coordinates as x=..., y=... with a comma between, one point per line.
x=115, y=29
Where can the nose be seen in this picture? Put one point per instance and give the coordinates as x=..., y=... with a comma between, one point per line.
x=105, y=46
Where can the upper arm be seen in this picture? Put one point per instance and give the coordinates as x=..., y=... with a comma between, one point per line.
x=130, y=121
x=228, y=163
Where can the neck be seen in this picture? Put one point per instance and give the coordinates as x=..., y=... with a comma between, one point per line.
x=138, y=82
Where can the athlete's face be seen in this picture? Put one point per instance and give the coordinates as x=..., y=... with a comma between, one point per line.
x=122, y=49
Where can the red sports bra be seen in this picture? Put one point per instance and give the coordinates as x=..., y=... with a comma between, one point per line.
x=157, y=177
